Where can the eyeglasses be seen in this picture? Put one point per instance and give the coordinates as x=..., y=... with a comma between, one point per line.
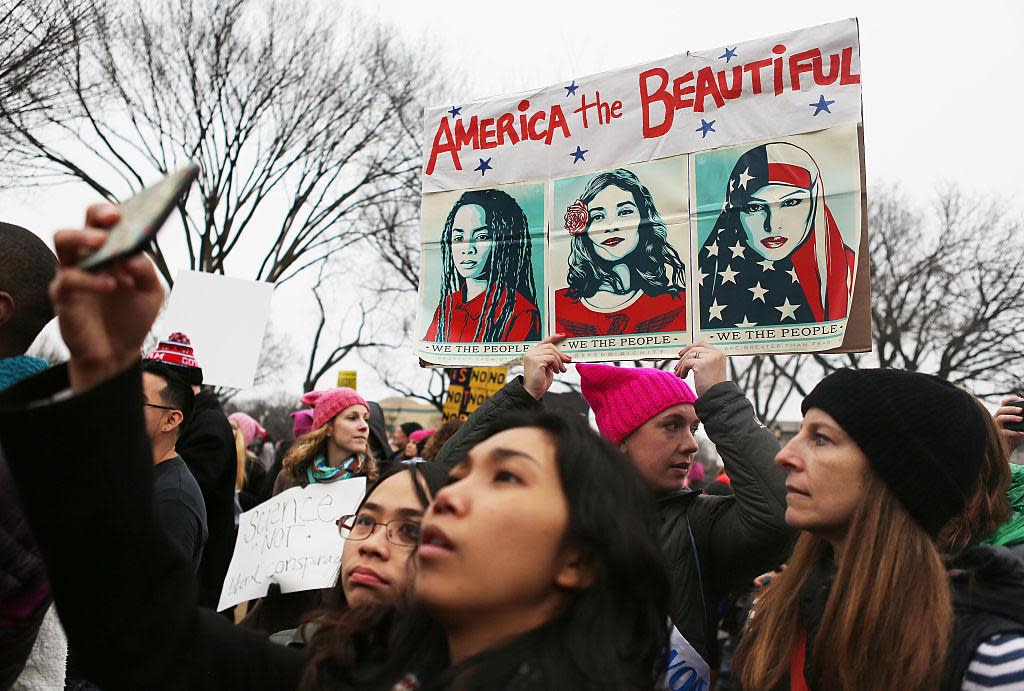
x=361, y=526
x=162, y=407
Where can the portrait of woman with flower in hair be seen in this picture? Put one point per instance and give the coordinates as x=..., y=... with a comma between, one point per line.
x=624, y=276
x=487, y=290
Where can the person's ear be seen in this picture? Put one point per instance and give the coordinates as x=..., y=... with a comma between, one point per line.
x=174, y=419
x=575, y=570
x=6, y=307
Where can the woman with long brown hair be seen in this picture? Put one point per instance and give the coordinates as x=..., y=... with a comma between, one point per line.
x=883, y=461
x=337, y=448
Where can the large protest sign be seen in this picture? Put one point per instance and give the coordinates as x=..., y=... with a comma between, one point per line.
x=225, y=319
x=292, y=540
x=712, y=195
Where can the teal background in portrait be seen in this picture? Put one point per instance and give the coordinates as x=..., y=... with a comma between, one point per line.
x=435, y=209
x=836, y=153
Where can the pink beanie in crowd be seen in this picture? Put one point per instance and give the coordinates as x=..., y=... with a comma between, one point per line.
x=250, y=428
x=327, y=404
x=302, y=422
x=420, y=435
x=624, y=398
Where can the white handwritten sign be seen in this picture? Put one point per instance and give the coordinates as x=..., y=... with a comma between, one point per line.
x=291, y=540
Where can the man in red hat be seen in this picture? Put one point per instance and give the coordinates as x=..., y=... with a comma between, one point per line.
x=207, y=446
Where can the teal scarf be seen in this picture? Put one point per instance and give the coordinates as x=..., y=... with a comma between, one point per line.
x=320, y=471
x=14, y=369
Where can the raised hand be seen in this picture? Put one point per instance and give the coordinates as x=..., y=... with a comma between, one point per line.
x=707, y=363
x=541, y=363
x=104, y=316
x=1012, y=410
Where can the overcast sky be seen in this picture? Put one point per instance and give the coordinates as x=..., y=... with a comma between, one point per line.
x=943, y=92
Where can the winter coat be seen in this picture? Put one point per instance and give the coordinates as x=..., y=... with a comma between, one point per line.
x=712, y=544
x=127, y=596
x=24, y=591
x=208, y=448
x=988, y=599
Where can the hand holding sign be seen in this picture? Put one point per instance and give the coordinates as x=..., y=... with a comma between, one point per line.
x=707, y=363
x=541, y=363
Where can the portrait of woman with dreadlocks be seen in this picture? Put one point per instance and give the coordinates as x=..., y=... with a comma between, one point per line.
x=487, y=286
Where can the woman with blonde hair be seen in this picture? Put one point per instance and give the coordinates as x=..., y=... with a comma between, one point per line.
x=250, y=475
x=883, y=461
x=336, y=448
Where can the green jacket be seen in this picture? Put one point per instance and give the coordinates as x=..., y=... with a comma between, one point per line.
x=1012, y=532
x=713, y=544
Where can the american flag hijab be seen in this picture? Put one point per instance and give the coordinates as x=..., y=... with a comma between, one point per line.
x=739, y=288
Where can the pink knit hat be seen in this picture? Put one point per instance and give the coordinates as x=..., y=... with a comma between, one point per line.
x=302, y=422
x=624, y=398
x=327, y=404
x=420, y=435
x=250, y=428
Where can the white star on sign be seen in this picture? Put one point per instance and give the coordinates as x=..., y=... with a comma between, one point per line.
x=737, y=250
x=744, y=178
x=758, y=291
x=716, y=310
x=788, y=310
x=792, y=272
x=728, y=276
x=700, y=276
x=713, y=249
x=767, y=265
x=745, y=324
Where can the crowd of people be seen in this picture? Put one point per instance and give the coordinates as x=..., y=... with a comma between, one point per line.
x=518, y=550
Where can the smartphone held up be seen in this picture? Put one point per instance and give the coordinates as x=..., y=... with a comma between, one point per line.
x=142, y=216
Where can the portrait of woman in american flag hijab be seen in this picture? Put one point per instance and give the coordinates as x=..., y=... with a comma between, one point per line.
x=775, y=255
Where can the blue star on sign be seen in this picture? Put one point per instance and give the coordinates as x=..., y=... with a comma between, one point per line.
x=571, y=89
x=485, y=165
x=729, y=54
x=454, y=112
x=577, y=155
x=705, y=127
x=821, y=105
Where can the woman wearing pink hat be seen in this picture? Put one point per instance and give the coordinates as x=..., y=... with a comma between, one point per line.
x=337, y=446
x=713, y=544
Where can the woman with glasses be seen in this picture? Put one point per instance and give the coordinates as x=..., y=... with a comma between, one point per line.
x=380, y=537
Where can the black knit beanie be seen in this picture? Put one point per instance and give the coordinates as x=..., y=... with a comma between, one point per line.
x=924, y=437
x=410, y=427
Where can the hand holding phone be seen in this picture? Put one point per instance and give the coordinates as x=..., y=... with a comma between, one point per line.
x=141, y=217
x=1010, y=415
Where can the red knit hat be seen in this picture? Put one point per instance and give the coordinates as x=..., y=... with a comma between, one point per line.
x=177, y=352
x=624, y=398
x=327, y=404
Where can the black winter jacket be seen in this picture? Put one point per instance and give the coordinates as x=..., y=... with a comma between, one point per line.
x=208, y=448
x=713, y=544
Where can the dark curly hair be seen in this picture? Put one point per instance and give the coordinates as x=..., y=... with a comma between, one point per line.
x=655, y=265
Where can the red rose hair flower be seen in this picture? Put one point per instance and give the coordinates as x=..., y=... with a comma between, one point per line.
x=576, y=218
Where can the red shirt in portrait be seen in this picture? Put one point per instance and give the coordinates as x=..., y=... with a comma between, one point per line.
x=658, y=314
x=463, y=317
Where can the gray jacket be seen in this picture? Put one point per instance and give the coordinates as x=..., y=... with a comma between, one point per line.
x=713, y=544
